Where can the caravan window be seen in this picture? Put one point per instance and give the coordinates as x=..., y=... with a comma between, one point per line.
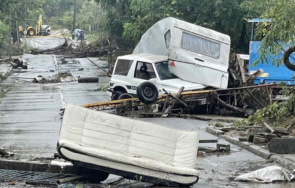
x=167, y=38
x=200, y=45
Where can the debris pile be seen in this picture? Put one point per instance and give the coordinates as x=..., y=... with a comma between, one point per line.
x=4, y=153
x=272, y=127
x=100, y=48
x=220, y=148
x=19, y=63
x=60, y=77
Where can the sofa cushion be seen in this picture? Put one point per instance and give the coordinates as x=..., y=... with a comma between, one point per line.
x=129, y=140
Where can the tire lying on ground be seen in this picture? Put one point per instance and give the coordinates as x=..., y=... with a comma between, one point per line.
x=147, y=92
x=125, y=96
x=116, y=95
x=286, y=56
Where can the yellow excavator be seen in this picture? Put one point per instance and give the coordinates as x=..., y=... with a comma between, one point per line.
x=31, y=31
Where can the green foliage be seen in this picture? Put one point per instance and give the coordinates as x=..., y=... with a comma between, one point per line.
x=131, y=18
x=92, y=37
x=281, y=30
x=3, y=31
x=224, y=16
x=277, y=112
x=216, y=124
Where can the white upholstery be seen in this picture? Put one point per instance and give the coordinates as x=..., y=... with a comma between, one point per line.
x=130, y=168
x=128, y=141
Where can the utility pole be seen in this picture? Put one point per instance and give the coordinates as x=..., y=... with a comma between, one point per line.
x=25, y=25
x=17, y=33
x=75, y=12
x=9, y=31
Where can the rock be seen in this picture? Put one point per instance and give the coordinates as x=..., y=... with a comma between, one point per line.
x=3, y=152
x=282, y=145
x=281, y=130
x=258, y=139
x=223, y=147
x=268, y=136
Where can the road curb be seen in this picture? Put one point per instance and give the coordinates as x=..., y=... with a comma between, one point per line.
x=255, y=149
x=5, y=76
x=284, y=162
x=35, y=167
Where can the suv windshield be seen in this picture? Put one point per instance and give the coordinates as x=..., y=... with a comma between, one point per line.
x=163, y=71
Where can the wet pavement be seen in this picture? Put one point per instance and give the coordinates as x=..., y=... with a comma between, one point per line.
x=45, y=42
x=29, y=113
x=30, y=121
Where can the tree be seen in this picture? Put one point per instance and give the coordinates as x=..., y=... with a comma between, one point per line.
x=225, y=16
x=3, y=32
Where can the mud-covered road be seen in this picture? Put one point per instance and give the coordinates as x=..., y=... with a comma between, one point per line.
x=30, y=120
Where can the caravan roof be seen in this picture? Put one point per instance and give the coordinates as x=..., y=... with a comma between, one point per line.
x=205, y=32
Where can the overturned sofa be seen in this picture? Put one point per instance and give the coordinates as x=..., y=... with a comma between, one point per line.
x=127, y=147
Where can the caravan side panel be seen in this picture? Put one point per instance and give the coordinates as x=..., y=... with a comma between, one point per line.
x=191, y=63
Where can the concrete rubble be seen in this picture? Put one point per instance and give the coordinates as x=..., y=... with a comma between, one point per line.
x=260, y=141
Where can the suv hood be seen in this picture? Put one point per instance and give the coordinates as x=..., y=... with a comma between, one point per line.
x=178, y=83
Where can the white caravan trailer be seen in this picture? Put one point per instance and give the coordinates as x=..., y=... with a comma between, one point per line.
x=195, y=53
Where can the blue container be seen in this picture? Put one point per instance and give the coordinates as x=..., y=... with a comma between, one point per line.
x=270, y=73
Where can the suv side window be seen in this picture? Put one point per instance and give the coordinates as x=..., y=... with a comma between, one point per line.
x=122, y=67
x=144, y=71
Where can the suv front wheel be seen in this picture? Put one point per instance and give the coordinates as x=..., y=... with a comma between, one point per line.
x=147, y=92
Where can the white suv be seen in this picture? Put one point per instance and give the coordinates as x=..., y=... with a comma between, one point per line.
x=133, y=70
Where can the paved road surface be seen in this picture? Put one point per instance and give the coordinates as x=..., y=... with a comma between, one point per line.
x=29, y=113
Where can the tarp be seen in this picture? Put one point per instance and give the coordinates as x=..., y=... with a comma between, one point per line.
x=266, y=175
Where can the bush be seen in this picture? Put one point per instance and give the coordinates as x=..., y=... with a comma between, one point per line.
x=3, y=32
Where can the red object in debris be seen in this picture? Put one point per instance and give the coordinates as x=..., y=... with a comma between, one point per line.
x=172, y=64
x=12, y=183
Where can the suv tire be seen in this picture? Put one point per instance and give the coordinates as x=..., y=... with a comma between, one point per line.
x=147, y=92
x=125, y=96
x=116, y=95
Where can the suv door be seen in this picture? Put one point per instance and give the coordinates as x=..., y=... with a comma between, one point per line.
x=143, y=72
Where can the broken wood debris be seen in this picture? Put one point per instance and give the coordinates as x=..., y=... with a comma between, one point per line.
x=100, y=48
x=223, y=147
x=172, y=102
x=65, y=76
x=4, y=153
x=18, y=63
x=269, y=127
x=219, y=148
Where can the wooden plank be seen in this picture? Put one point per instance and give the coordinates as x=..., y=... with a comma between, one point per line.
x=262, y=105
x=269, y=127
x=208, y=141
x=242, y=70
x=171, y=105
